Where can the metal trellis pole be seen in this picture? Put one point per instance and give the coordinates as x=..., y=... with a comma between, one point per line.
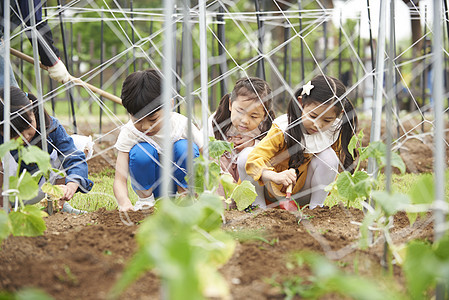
x=339, y=47
x=260, y=34
x=189, y=77
x=40, y=101
x=132, y=34
x=440, y=164
x=286, y=56
x=301, y=44
x=371, y=45
x=66, y=61
x=167, y=67
x=221, y=52
x=203, y=68
x=439, y=156
x=357, y=68
x=7, y=103
x=378, y=84
x=37, y=72
x=101, y=64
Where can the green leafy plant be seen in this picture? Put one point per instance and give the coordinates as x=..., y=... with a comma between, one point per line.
x=359, y=184
x=185, y=246
x=25, y=220
x=425, y=265
x=327, y=279
x=243, y=194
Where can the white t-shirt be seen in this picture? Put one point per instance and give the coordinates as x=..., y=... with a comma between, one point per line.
x=130, y=135
x=317, y=142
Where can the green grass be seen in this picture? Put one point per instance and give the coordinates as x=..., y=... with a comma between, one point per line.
x=101, y=194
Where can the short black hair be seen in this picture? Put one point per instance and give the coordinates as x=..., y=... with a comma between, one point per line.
x=141, y=93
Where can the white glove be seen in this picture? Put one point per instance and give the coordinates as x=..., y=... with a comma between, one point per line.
x=59, y=72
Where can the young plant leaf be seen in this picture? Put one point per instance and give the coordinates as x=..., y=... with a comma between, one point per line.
x=420, y=268
x=9, y=146
x=211, y=209
x=244, y=194
x=353, y=143
x=218, y=147
x=391, y=203
x=353, y=186
x=33, y=154
x=5, y=226
x=422, y=192
x=214, y=175
x=227, y=181
x=54, y=191
x=28, y=186
x=28, y=222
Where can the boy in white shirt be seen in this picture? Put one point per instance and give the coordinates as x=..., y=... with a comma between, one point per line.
x=139, y=142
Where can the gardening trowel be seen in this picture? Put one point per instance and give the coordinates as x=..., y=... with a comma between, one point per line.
x=288, y=204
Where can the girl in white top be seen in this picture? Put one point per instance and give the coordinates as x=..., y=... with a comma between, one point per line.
x=303, y=148
x=243, y=117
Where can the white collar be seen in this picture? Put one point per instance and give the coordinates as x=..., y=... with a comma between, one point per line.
x=317, y=142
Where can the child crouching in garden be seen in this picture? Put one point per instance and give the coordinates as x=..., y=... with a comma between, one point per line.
x=64, y=154
x=303, y=147
x=243, y=117
x=140, y=140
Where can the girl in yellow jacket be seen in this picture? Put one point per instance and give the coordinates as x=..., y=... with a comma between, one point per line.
x=303, y=149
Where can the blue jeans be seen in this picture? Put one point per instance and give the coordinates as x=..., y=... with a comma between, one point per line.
x=144, y=166
x=12, y=79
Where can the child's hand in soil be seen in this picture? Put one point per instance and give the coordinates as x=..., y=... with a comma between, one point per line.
x=126, y=207
x=69, y=190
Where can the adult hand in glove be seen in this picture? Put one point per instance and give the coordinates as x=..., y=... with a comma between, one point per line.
x=59, y=72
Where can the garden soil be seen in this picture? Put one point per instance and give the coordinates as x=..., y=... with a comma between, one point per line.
x=81, y=257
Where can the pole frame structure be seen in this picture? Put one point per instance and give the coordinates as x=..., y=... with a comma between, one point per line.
x=440, y=205
x=303, y=72
x=260, y=72
x=167, y=67
x=203, y=68
x=40, y=102
x=440, y=165
x=378, y=84
x=388, y=116
x=101, y=73
x=223, y=68
x=66, y=58
x=37, y=72
x=7, y=102
x=189, y=78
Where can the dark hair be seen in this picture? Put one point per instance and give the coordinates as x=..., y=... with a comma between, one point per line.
x=327, y=90
x=22, y=111
x=141, y=93
x=244, y=87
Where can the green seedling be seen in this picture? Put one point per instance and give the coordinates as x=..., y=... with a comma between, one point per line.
x=186, y=246
x=328, y=279
x=243, y=194
x=425, y=265
x=25, y=220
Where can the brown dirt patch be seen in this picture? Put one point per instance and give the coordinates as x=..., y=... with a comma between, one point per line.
x=81, y=257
